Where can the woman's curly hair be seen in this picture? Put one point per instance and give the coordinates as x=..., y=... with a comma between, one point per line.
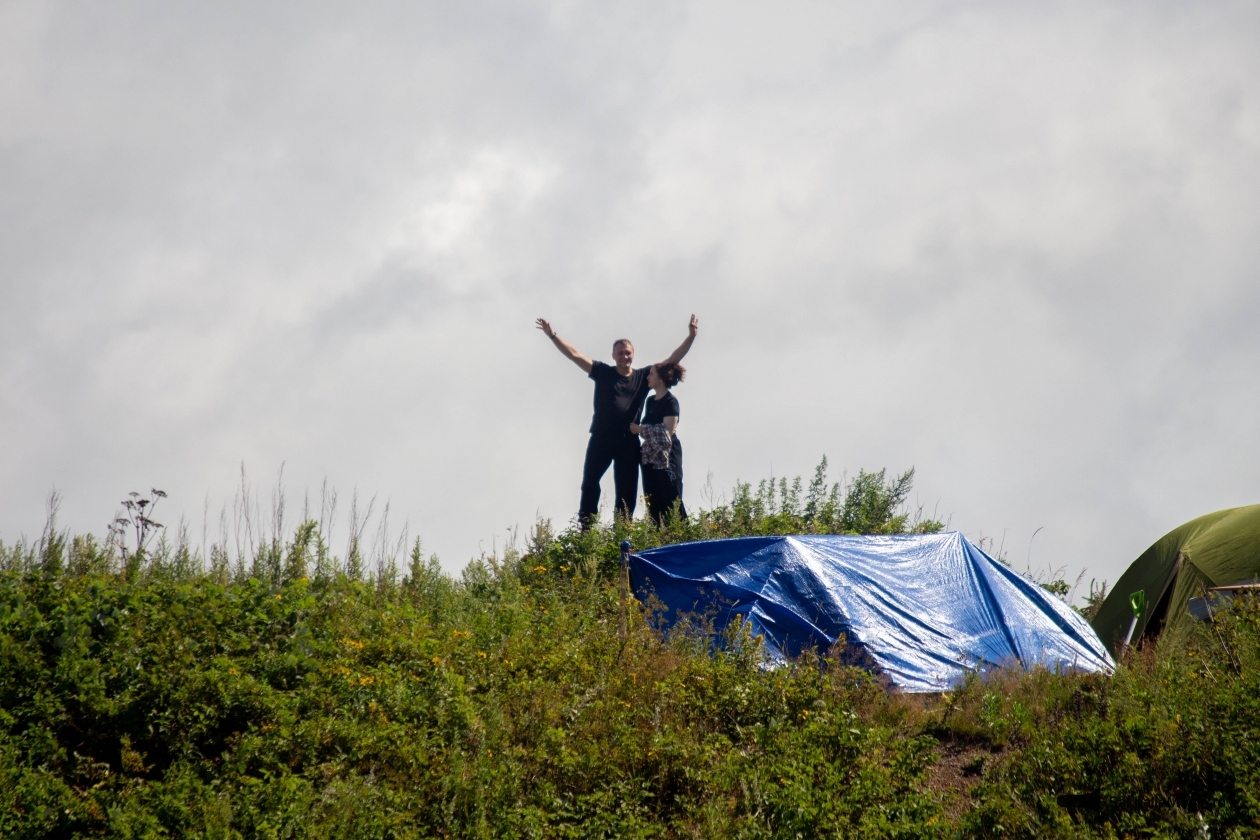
x=671, y=375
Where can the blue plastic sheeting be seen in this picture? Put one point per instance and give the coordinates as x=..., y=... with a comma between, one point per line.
x=920, y=609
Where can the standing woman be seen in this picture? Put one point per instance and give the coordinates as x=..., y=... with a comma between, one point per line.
x=661, y=453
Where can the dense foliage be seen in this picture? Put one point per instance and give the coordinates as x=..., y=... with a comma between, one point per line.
x=142, y=695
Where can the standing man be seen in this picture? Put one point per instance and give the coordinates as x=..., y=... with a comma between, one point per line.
x=619, y=395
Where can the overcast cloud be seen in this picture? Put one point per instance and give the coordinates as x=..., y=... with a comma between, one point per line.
x=1013, y=245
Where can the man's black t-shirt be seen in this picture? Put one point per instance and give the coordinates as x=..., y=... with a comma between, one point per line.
x=618, y=399
x=655, y=413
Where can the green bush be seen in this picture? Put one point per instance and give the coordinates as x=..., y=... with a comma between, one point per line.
x=1168, y=747
x=279, y=695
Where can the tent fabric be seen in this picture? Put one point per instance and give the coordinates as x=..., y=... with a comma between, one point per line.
x=922, y=610
x=1218, y=549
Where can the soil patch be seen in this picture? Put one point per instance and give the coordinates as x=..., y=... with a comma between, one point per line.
x=956, y=772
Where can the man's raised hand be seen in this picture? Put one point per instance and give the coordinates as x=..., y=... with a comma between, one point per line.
x=693, y=327
x=570, y=352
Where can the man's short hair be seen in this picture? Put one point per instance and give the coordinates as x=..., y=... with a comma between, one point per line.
x=622, y=341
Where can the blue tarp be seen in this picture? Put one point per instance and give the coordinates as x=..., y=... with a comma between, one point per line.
x=920, y=609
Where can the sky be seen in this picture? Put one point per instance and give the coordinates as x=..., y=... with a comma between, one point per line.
x=1011, y=245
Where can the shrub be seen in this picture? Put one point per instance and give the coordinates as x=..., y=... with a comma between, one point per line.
x=142, y=696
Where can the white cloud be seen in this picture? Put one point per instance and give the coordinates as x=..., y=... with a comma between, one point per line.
x=1011, y=245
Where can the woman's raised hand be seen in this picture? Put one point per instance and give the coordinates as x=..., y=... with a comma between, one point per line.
x=542, y=324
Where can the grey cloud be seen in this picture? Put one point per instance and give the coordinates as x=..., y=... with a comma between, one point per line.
x=1011, y=245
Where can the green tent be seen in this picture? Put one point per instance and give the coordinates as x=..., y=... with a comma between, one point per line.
x=1219, y=549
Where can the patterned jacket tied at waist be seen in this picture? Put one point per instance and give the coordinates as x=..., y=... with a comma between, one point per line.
x=655, y=449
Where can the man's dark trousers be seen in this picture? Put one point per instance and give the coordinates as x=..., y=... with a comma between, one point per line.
x=622, y=451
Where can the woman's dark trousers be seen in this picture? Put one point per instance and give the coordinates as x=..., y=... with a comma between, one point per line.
x=622, y=451
x=661, y=488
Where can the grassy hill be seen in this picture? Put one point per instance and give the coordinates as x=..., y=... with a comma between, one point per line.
x=149, y=693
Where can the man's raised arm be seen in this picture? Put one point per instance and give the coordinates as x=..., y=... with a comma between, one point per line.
x=677, y=355
x=570, y=352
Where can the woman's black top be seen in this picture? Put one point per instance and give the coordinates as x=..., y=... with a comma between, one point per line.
x=655, y=413
x=656, y=410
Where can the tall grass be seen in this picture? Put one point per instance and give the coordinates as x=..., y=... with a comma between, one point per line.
x=268, y=687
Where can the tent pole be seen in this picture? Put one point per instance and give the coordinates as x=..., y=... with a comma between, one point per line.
x=1137, y=601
